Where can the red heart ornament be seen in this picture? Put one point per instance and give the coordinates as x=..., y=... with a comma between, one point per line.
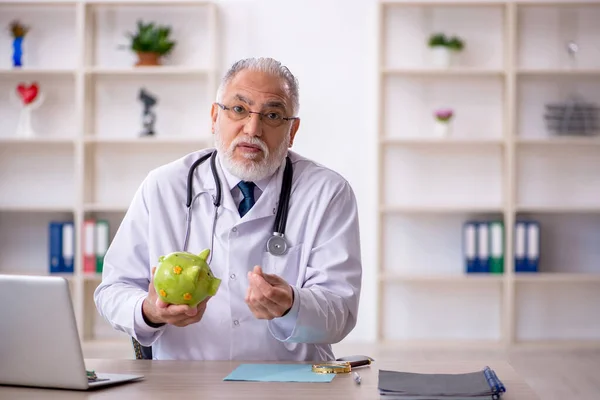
x=28, y=93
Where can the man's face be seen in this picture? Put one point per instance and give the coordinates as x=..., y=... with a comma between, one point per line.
x=252, y=148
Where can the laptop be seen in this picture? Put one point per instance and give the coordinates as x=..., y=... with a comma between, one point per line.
x=39, y=341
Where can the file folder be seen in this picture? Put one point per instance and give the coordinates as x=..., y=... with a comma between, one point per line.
x=483, y=247
x=68, y=247
x=497, y=247
x=470, y=246
x=533, y=246
x=55, y=247
x=520, y=246
x=468, y=385
x=101, y=244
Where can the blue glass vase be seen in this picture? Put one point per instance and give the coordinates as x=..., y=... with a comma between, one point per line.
x=18, y=52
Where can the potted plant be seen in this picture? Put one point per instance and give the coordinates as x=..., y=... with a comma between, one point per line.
x=18, y=32
x=443, y=48
x=151, y=42
x=443, y=118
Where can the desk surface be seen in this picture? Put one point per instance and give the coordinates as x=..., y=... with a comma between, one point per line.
x=178, y=380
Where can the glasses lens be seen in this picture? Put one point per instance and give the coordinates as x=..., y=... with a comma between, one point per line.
x=237, y=112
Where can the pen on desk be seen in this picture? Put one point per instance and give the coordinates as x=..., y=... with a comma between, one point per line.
x=356, y=377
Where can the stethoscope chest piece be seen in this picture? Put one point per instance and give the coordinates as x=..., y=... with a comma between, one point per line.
x=277, y=245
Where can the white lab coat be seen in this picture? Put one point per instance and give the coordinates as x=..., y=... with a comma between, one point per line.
x=323, y=264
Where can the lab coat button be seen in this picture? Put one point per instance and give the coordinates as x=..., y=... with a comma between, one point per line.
x=233, y=229
x=236, y=322
x=232, y=276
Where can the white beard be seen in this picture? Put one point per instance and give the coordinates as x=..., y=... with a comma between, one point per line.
x=251, y=170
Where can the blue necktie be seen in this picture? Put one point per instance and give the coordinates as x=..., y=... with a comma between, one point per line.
x=247, y=202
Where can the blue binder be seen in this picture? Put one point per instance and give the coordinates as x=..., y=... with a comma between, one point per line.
x=55, y=256
x=483, y=247
x=68, y=247
x=520, y=245
x=470, y=246
x=532, y=258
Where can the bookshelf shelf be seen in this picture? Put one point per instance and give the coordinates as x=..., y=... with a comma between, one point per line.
x=390, y=141
x=560, y=141
x=36, y=72
x=498, y=163
x=147, y=71
x=385, y=209
x=154, y=141
x=443, y=279
x=91, y=207
x=444, y=73
x=559, y=72
x=558, y=277
x=81, y=165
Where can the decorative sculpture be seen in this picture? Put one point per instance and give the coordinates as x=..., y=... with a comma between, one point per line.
x=29, y=98
x=148, y=116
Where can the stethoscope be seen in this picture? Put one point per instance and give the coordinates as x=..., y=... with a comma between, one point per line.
x=277, y=244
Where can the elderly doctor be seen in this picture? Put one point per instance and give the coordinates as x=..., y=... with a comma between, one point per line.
x=269, y=306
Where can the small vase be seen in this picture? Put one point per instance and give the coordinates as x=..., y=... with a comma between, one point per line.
x=24, y=128
x=441, y=129
x=441, y=57
x=17, y=52
x=148, y=59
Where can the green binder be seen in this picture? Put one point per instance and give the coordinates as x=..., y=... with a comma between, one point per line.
x=497, y=247
x=102, y=234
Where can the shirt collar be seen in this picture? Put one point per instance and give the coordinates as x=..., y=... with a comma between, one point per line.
x=232, y=181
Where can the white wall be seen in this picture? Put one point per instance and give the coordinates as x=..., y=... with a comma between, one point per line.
x=330, y=45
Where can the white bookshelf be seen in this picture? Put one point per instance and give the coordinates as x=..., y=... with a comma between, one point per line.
x=87, y=158
x=498, y=163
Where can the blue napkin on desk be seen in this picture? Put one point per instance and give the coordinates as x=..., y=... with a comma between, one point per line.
x=277, y=373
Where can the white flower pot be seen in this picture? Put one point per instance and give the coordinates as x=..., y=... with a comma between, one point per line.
x=441, y=57
x=441, y=129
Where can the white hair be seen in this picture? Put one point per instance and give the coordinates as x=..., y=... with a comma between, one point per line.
x=267, y=65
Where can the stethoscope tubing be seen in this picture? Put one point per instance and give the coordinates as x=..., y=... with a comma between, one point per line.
x=282, y=208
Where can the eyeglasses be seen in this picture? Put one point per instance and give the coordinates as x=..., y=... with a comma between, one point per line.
x=238, y=112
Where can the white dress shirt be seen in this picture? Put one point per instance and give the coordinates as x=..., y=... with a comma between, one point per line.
x=323, y=262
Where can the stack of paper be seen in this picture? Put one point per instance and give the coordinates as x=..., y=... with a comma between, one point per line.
x=407, y=385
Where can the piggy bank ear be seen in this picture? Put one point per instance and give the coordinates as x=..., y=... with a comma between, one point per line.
x=161, y=258
x=204, y=254
x=192, y=273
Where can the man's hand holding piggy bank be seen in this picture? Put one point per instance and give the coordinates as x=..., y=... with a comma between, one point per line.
x=179, y=289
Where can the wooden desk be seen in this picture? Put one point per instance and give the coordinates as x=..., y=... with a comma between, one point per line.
x=183, y=380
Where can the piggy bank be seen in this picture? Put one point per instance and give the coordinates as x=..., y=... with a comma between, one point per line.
x=185, y=278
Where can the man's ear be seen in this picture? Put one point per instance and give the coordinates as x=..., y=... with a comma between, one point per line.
x=294, y=129
x=214, y=113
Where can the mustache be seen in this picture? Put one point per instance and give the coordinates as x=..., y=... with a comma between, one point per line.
x=253, y=141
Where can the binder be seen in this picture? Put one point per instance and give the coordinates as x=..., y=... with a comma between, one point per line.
x=520, y=246
x=481, y=384
x=483, y=247
x=55, y=247
x=470, y=246
x=89, y=252
x=68, y=247
x=101, y=243
x=532, y=256
x=497, y=247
